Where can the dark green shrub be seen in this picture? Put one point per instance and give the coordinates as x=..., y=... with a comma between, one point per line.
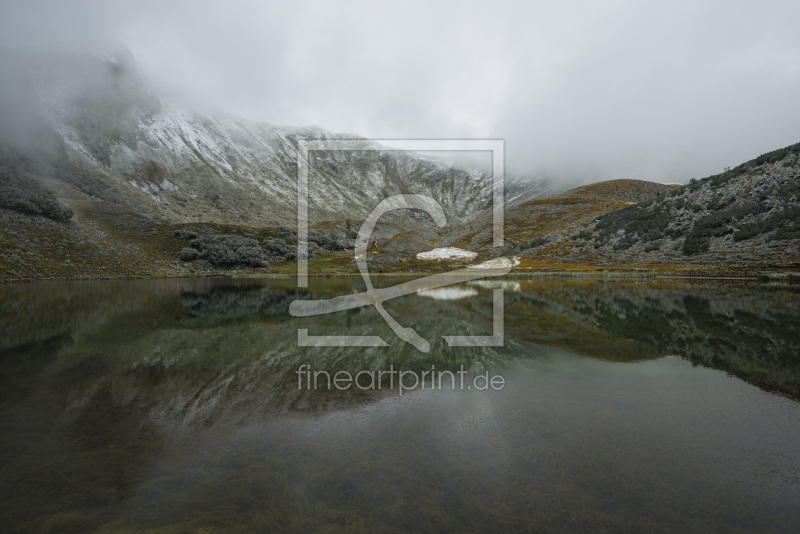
x=695, y=245
x=188, y=254
x=789, y=190
x=719, y=223
x=584, y=235
x=229, y=250
x=287, y=233
x=626, y=243
x=327, y=241
x=647, y=221
x=675, y=232
x=786, y=222
x=747, y=231
x=718, y=203
x=279, y=249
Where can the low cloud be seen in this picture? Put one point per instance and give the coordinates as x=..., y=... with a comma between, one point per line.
x=581, y=90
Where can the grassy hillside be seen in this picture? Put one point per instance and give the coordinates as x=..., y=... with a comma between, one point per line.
x=747, y=214
x=531, y=221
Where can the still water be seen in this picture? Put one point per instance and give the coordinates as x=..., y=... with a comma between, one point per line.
x=176, y=406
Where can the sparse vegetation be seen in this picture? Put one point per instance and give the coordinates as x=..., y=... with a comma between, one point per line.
x=718, y=180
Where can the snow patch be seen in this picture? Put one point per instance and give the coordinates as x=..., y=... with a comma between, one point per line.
x=447, y=253
x=166, y=185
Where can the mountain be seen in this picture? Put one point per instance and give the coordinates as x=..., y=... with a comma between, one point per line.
x=115, y=140
x=102, y=177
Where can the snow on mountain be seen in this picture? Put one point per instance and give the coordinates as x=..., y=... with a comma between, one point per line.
x=125, y=144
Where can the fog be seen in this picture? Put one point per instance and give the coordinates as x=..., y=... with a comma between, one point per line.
x=662, y=91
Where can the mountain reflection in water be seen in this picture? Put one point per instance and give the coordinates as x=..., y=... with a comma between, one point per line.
x=173, y=405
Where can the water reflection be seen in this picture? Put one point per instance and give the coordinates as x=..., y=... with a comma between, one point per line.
x=173, y=406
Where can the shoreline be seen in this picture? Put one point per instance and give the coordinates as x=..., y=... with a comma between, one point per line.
x=790, y=277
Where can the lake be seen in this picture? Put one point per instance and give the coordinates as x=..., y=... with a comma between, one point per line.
x=188, y=406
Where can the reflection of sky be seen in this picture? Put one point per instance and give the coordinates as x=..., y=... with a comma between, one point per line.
x=660, y=440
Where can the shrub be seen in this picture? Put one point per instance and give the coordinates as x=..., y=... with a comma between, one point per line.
x=585, y=235
x=694, y=245
x=537, y=242
x=746, y=231
x=626, y=243
x=718, y=224
x=188, y=254
x=718, y=203
x=787, y=223
x=321, y=238
x=325, y=240
x=279, y=249
x=229, y=250
x=285, y=232
x=675, y=232
x=647, y=221
x=789, y=190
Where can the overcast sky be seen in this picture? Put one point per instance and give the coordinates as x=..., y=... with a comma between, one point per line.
x=660, y=90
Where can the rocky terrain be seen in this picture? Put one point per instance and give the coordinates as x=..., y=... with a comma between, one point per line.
x=749, y=213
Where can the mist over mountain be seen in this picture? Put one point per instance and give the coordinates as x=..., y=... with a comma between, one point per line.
x=580, y=91
x=89, y=121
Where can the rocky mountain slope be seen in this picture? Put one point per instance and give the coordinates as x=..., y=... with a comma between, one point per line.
x=749, y=215
x=111, y=138
x=100, y=176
